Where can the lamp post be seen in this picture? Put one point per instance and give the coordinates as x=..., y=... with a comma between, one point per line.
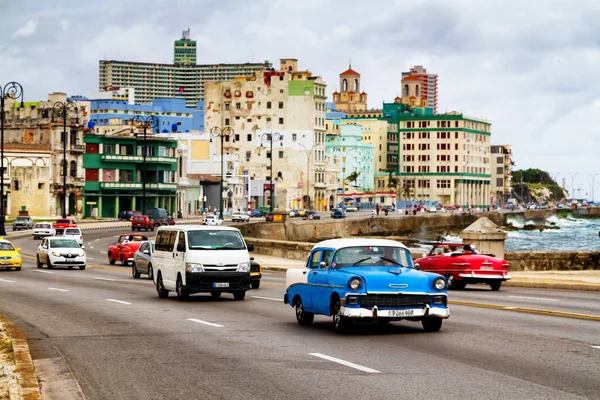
x=308, y=154
x=593, y=176
x=64, y=109
x=269, y=137
x=344, y=153
x=218, y=132
x=145, y=123
x=572, y=176
x=13, y=90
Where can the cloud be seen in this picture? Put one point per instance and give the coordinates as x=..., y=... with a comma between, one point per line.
x=26, y=30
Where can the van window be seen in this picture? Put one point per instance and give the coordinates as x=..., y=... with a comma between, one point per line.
x=215, y=240
x=181, y=239
x=165, y=240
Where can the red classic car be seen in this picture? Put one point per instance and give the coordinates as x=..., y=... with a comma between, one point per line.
x=61, y=224
x=139, y=222
x=124, y=249
x=461, y=267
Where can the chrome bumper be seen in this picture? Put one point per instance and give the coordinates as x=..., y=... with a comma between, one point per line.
x=485, y=276
x=425, y=312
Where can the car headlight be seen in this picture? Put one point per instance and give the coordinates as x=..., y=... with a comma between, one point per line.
x=56, y=254
x=81, y=254
x=17, y=257
x=439, y=283
x=355, y=284
x=243, y=267
x=194, y=267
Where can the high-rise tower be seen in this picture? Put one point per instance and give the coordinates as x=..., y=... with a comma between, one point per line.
x=185, y=50
x=426, y=86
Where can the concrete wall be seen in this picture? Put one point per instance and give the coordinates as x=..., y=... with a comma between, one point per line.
x=553, y=260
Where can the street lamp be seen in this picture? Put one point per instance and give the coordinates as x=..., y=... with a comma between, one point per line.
x=218, y=132
x=593, y=183
x=13, y=90
x=145, y=123
x=269, y=137
x=572, y=176
x=308, y=154
x=63, y=110
x=344, y=153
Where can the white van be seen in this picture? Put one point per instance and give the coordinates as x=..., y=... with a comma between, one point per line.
x=197, y=258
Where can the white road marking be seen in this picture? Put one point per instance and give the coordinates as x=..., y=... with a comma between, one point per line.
x=267, y=298
x=7, y=281
x=118, y=301
x=105, y=279
x=346, y=363
x=596, y=347
x=42, y=271
x=103, y=252
x=533, y=298
x=199, y=321
x=57, y=289
x=96, y=240
x=91, y=247
x=90, y=258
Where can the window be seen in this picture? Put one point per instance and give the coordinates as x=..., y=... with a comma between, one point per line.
x=237, y=137
x=294, y=137
x=281, y=104
x=165, y=240
x=126, y=176
x=181, y=239
x=40, y=185
x=16, y=185
x=280, y=121
x=238, y=106
x=315, y=259
x=500, y=170
x=249, y=137
x=500, y=160
x=227, y=105
x=109, y=149
x=268, y=154
x=227, y=121
x=73, y=169
x=500, y=182
x=280, y=153
x=268, y=104
x=248, y=155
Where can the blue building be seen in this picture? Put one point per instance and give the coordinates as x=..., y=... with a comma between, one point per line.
x=172, y=114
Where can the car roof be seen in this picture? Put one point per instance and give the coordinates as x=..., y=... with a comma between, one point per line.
x=2, y=240
x=351, y=242
x=197, y=227
x=59, y=238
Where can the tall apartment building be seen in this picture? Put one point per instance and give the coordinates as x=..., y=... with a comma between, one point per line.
x=285, y=108
x=427, y=88
x=501, y=169
x=184, y=78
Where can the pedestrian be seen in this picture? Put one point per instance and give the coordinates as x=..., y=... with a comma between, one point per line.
x=377, y=209
x=372, y=213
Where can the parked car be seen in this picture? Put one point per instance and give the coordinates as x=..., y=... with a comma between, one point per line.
x=61, y=224
x=351, y=209
x=311, y=214
x=140, y=222
x=75, y=234
x=142, y=260
x=256, y=213
x=255, y=274
x=270, y=217
x=10, y=256
x=127, y=215
x=240, y=216
x=158, y=215
x=338, y=213
x=22, y=222
x=461, y=268
x=212, y=220
x=367, y=280
x=333, y=211
x=60, y=251
x=43, y=229
x=124, y=248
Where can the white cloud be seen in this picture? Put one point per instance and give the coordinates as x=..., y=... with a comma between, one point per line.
x=26, y=30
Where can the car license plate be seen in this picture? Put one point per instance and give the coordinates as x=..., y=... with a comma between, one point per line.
x=221, y=284
x=401, y=313
x=487, y=268
x=5, y=262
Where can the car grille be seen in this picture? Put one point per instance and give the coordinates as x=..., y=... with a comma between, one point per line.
x=220, y=268
x=6, y=258
x=68, y=255
x=394, y=300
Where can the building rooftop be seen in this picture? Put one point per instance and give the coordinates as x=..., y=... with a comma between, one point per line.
x=349, y=71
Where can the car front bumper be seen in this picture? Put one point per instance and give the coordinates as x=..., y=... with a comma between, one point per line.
x=11, y=263
x=67, y=261
x=197, y=282
x=255, y=276
x=473, y=276
x=400, y=313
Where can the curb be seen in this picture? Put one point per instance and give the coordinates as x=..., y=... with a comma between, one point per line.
x=28, y=385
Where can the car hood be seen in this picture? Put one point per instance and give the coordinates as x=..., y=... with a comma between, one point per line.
x=379, y=279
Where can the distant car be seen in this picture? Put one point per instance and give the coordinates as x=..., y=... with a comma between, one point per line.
x=240, y=216
x=256, y=213
x=23, y=222
x=126, y=215
x=270, y=217
x=365, y=280
x=461, y=269
x=255, y=274
x=140, y=222
x=158, y=215
x=43, y=229
x=338, y=213
x=212, y=220
x=142, y=260
x=10, y=256
x=351, y=209
x=74, y=233
x=124, y=248
x=60, y=251
x=61, y=224
x=333, y=211
x=311, y=214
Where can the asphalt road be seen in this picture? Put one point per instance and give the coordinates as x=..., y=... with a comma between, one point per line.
x=120, y=341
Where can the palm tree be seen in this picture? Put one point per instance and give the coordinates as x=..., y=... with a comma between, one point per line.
x=392, y=180
x=353, y=177
x=406, y=190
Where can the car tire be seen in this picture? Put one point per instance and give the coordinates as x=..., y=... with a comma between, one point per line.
x=152, y=229
x=150, y=272
x=132, y=229
x=110, y=259
x=182, y=292
x=38, y=263
x=70, y=267
x=18, y=269
x=134, y=271
x=431, y=324
x=495, y=286
x=81, y=267
x=255, y=284
x=304, y=318
x=340, y=324
x=239, y=295
x=50, y=266
x=123, y=262
x=453, y=284
x=215, y=294
x=160, y=289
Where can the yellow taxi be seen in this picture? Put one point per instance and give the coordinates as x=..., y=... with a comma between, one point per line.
x=9, y=255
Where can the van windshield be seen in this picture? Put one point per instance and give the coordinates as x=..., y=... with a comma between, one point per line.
x=215, y=240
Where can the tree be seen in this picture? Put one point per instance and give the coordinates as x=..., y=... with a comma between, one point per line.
x=532, y=175
x=406, y=191
x=392, y=180
x=353, y=177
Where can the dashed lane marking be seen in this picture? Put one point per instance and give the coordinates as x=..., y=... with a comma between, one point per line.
x=122, y=269
x=96, y=240
x=344, y=362
x=596, y=347
x=43, y=272
x=267, y=298
x=533, y=298
x=7, y=281
x=553, y=313
x=118, y=301
x=105, y=279
x=199, y=321
x=58, y=289
x=103, y=252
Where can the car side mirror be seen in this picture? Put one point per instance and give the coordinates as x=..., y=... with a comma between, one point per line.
x=181, y=247
x=323, y=264
x=251, y=258
x=417, y=266
x=424, y=255
x=82, y=246
x=148, y=251
x=250, y=246
x=18, y=249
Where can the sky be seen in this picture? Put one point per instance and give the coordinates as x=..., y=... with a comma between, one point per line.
x=531, y=67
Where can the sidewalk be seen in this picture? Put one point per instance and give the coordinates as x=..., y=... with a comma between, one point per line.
x=574, y=280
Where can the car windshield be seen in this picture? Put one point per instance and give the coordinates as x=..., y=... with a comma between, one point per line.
x=63, y=221
x=215, y=240
x=22, y=218
x=132, y=238
x=43, y=226
x=5, y=246
x=360, y=256
x=63, y=244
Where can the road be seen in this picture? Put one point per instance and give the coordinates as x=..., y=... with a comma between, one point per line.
x=120, y=341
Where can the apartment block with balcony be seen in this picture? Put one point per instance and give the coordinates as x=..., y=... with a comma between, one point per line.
x=120, y=165
x=501, y=169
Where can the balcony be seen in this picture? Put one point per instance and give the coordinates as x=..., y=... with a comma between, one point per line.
x=137, y=159
x=320, y=185
x=137, y=186
x=78, y=148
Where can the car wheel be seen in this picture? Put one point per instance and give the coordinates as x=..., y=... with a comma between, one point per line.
x=134, y=271
x=110, y=259
x=50, y=266
x=38, y=262
x=304, y=318
x=432, y=324
x=152, y=229
x=70, y=267
x=182, y=293
x=18, y=269
x=82, y=267
x=215, y=294
x=123, y=262
x=340, y=323
x=133, y=229
x=255, y=284
x=160, y=289
x=454, y=284
x=150, y=272
x=496, y=285
x=239, y=295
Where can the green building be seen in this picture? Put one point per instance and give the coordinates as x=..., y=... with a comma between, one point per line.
x=115, y=172
x=185, y=50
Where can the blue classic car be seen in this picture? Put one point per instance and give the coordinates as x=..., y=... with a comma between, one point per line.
x=370, y=280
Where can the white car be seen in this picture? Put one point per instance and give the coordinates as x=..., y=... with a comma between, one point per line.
x=212, y=220
x=43, y=229
x=60, y=251
x=74, y=233
x=240, y=216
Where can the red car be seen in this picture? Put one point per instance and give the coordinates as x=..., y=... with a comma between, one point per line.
x=140, y=222
x=124, y=249
x=61, y=224
x=461, y=268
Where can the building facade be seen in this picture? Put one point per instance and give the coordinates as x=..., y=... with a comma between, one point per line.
x=350, y=98
x=184, y=78
x=501, y=169
x=427, y=88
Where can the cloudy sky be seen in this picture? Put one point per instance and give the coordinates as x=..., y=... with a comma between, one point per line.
x=532, y=67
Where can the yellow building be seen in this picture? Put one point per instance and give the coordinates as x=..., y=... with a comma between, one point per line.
x=350, y=98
